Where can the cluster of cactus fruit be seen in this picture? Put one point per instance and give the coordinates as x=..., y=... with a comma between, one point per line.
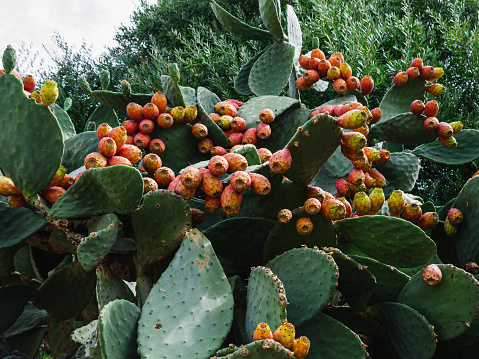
x=366, y=269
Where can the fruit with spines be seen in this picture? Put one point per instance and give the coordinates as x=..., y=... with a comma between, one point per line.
x=301, y=347
x=304, y=226
x=119, y=135
x=225, y=122
x=362, y=203
x=218, y=165
x=333, y=73
x=150, y=111
x=342, y=187
x=151, y=162
x=164, y=176
x=262, y=331
x=132, y=127
x=52, y=194
x=107, y=147
x=260, y=184
x=352, y=119
x=401, y=78
x=444, y=130
x=95, y=160
x=264, y=154
x=417, y=107
x=431, y=108
x=146, y=126
x=285, y=215
x=231, y=201
x=412, y=212
x=234, y=138
x=417, y=62
x=141, y=140
x=431, y=123
x=160, y=101
x=57, y=177
x=380, y=179
x=431, y=275
x=356, y=177
x=377, y=199
x=238, y=124
x=149, y=184
x=369, y=182
x=312, y=206
x=280, y=161
x=450, y=229
x=428, y=221
x=427, y=73
x=226, y=108
x=455, y=216
x=366, y=85
x=119, y=160
x=29, y=83
x=412, y=73
x=236, y=162
x=323, y=67
x=340, y=86
x=384, y=157
x=191, y=177
x=49, y=92
x=211, y=184
x=304, y=62
x=448, y=142
x=240, y=181
x=284, y=334
x=7, y=187
x=165, y=120
x=376, y=113
x=457, y=127
x=131, y=152
x=212, y=204
x=333, y=209
x=311, y=76
x=177, y=113
x=191, y=112
x=16, y=200
x=436, y=89
x=354, y=140
x=250, y=136
x=156, y=146
x=362, y=163
x=396, y=203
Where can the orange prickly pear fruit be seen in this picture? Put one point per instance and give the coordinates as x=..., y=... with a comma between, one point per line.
x=212, y=204
x=177, y=113
x=67, y=181
x=132, y=127
x=384, y=156
x=457, y=126
x=317, y=53
x=401, y=78
x=369, y=182
x=250, y=136
x=174, y=183
x=146, y=126
x=263, y=131
x=356, y=176
x=362, y=203
x=129, y=140
x=231, y=201
x=335, y=61
x=342, y=187
x=362, y=164
x=340, y=86
x=301, y=347
x=226, y=108
x=141, y=140
x=260, y=184
x=304, y=226
x=377, y=199
x=130, y=152
x=149, y=184
x=156, y=146
x=119, y=160
x=107, y=147
x=28, y=83
x=354, y=140
x=350, y=154
x=428, y=220
x=323, y=67
x=49, y=92
x=165, y=120
x=191, y=177
x=444, y=130
x=151, y=162
x=119, y=135
x=135, y=112
x=340, y=56
x=427, y=73
x=431, y=123
x=450, y=229
x=333, y=209
x=284, y=334
x=417, y=62
x=377, y=113
x=438, y=72
x=164, y=176
x=285, y=215
x=266, y=115
x=313, y=64
x=238, y=124
x=412, y=212
x=95, y=159
x=353, y=83
x=103, y=130
x=199, y=131
x=186, y=193
x=312, y=206
x=431, y=108
x=448, y=142
x=417, y=107
x=333, y=73
x=235, y=103
x=311, y=76
x=262, y=332
x=431, y=275
x=150, y=111
x=301, y=84
x=190, y=114
x=412, y=73
x=366, y=85
x=371, y=153
x=352, y=119
x=345, y=71
x=364, y=129
x=314, y=192
x=304, y=62
x=436, y=89
x=396, y=203
x=264, y=154
x=52, y=194
x=214, y=116
x=280, y=161
x=218, y=151
x=349, y=210
x=380, y=179
x=160, y=101
x=240, y=181
x=57, y=177
x=16, y=200
x=7, y=187
x=455, y=216
x=211, y=184
x=236, y=162
x=218, y=165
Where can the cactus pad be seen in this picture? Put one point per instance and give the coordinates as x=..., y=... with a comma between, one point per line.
x=250, y=153
x=189, y=95
x=401, y=170
x=110, y=287
x=30, y=318
x=66, y=124
x=172, y=91
x=270, y=13
x=13, y=299
x=76, y=149
x=294, y=31
x=207, y=99
x=102, y=114
x=260, y=349
x=214, y=131
x=190, y=309
x=117, y=100
x=402, y=128
x=241, y=80
x=337, y=165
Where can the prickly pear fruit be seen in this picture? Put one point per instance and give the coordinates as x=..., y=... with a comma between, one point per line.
x=376, y=197
x=366, y=85
x=376, y=113
x=151, y=162
x=263, y=131
x=67, y=181
x=284, y=334
x=401, y=78
x=428, y=221
x=427, y=73
x=362, y=203
x=131, y=152
x=455, y=216
x=380, y=179
x=317, y=53
x=156, y=146
x=417, y=62
x=28, y=83
x=431, y=108
x=315, y=192
x=396, y=203
x=264, y=154
x=49, y=92
x=342, y=187
x=354, y=140
x=165, y=120
x=450, y=229
x=119, y=160
x=160, y=101
x=285, y=215
x=311, y=76
x=353, y=83
x=448, y=142
x=301, y=84
x=95, y=159
x=7, y=187
x=135, y=112
x=431, y=123
x=436, y=89
x=266, y=115
x=262, y=332
x=431, y=275
x=218, y=165
x=218, y=151
x=412, y=73
x=236, y=162
x=304, y=226
x=362, y=164
x=103, y=130
x=323, y=67
x=312, y=206
x=333, y=73
x=384, y=156
x=141, y=140
x=107, y=147
x=191, y=177
x=150, y=111
x=52, y=194
x=260, y=184
x=146, y=126
x=36, y=96
x=352, y=119
x=205, y=145
x=304, y=62
x=301, y=347
x=212, y=204
x=57, y=177
x=280, y=161
x=231, y=201
x=234, y=138
x=238, y=124
x=371, y=153
x=240, y=181
x=199, y=131
x=211, y=184
x=417, y=107
x=369, y=182
x=177, y=113
x=226, y=108
x=356, y=176
x=444, y=130
x=190, y=114
x=16, y=200
x=457, y=127
x=340, y=86
x=164, y=176
x=333, y=209
x=345, y=71
x=119, y=135
x=132, y=127
x=350, y=154
x=149, y=184
x=412, y=212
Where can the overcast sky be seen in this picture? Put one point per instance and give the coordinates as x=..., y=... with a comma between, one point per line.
x=34, y=22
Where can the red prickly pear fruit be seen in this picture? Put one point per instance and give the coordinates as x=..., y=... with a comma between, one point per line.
x=240, y=181
x=94, y=160
x=234, y=138
x=135, y=112
x=266, y=115
x=362, y=203
x=231, y=201
x=119, y=160
x=431, y=123
x=354, y=140
x=218, y=165
x=396, y=203
x=380, y=179
x=284, y=334
x=457, y=127
x=342, y=187
x=377, y=199
x=333, y=209
x=431, y=275
x=165, y=120
x=311, y=76
x=455, y=216
x=264, y=154
x=130, y=152
x=417, y=62
x=340, y=56
x=417, y=107
x=191, y=177
x=280, y=161
x=349, y=209
x=234, y=148
x=450, y=229
x=431, y=108
x=141, y=140
x=57, y=177
x=301, y=84
x=448, y=142
x=427, y=73
x=150, y=111
x=335, y=61
x=369, y=182
x=147, y=126
x=250, y=136
x=205, y=145
x=212, y=204
x=7, y=187
x=78, y=176
x=356, y=176
x=412, y=73
x=377, y=113
x=366, y=85
x=226, y=108
x=304, y=226
x=317, y=53
x=329, y=109
x=151, y=162
x=52, y=194
x=238, y=124
x=16, y=200
x=352, y=119
x=353, y=83
x=345, y=71
x=371, y=153
x=190, y=114
x=284, y=215
x=199, y=131
x=313, y=65
x=401, y=78
x=315, y=192
x=160, y=101
x=263, y=131
x=218, y=151
x=174, y=183
x=340, y=86
x=48, y=92
x=28, y=83
x=119, y=135
x=103, y=130
x=362, y=164
x=211, y=184
x=107, y=147
x=384, y=156
x=428, y=221
x=262, y=331
x=350, y=154
x=156, y=146
x=214, y=116
x=314, y=113
x=132, y=127
x=312, y=206
x=333, y=73
x=347, y=107
x=177, y=113
x=164, y=176
x=444, y=130
x=225, y=122
x=67, y=181
x=260, y=184
x=412, y=212
x=236, y=162
x=436, y=89
x=323, y=67
x=149, y=184
x=304, y=62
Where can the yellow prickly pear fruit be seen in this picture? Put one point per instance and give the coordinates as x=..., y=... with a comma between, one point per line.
x=352, y=119
x=285, y=334
x=285, y=215
x=262, y=332
x=49, y=92
x=354, y=140
x=362, y=203
x=57, y=177
x=449, y=228
x=396, y=203
x=312, y=206
x=377, y=199
x=301, y=347
x=457, y=126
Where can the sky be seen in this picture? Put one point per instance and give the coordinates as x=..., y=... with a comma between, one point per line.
x=35, y=22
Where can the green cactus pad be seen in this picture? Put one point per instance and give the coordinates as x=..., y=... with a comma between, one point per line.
x=68, y=284
x=66, y=124
x=13, y=299
x=189, y=95
x=250, y=153
x=324, y=181
x=93, y=248
x=294, y=31
x=59, y=336
x=76, y=149
x=30, y=318
x=84, y=333
x=309, y=276
x=311, y=146
x=241, y=80
x=284, y=236
x=342, y=100
x=465, y=152
x=190, y=309
x=446, y=247
x=31, y=144
x=7, y=265
x=207, y=99
x=398, y=99
x=174, y=72
x=270, y=73
x=110, y=287
x=238, y=27
x=23, y=262
x=467, y=241
x=266, y=300
x=401, y=170
x=214, y=131
x=389, y=240
x=9, y=59
x=160, y=225
x=409, y=332
x=260, y=349
x=98, y=191
x=245, y=240
x=18, y=224
x=270, y=14
x=102, y=114
x=28, y=343
x=451, y=306
x=117, y=101
x=172, y=91
x=330, y=339
x=389, y=279
x=356, y=283
x=337, y=165
x=117, y=326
